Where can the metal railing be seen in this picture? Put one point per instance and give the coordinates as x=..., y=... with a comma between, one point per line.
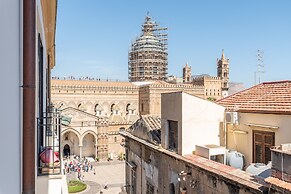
x=48, y=142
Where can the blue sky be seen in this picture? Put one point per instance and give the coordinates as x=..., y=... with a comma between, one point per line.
x=94, y=36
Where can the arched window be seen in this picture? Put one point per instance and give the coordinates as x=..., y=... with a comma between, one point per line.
x=82, y=107
x=98, y=110
x=115, y=139
x=114, y=109
x=130, y=109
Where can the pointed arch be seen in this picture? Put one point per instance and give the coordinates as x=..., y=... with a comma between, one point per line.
x=89, y=132
x=71, y=130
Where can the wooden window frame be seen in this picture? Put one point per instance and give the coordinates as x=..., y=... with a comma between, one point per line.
x=263, y=143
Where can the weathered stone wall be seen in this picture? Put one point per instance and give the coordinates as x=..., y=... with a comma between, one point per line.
x=161, y=168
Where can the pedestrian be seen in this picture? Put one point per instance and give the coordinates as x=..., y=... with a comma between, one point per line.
x=91, y=167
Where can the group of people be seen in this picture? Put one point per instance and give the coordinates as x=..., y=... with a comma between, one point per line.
x=78, y=165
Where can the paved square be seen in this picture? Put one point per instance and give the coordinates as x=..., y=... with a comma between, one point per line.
x=110, y=173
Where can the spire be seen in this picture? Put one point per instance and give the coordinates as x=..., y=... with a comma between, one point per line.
x=222, y=56
x=186, y=64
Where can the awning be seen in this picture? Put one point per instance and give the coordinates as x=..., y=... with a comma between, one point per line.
x=262, y=125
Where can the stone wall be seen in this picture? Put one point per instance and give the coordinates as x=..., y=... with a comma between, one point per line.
x=168, y=172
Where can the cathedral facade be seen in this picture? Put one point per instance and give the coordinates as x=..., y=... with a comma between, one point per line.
x=93, y=112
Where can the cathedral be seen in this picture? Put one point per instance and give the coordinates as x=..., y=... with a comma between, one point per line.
x=94, y=111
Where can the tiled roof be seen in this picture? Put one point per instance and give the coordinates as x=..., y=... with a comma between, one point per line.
x=278, y=183
x=153, y=122
x=268, y=97
x=90, y=83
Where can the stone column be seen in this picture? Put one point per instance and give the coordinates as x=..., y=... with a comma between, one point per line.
x=81, y=147
x=96, y=150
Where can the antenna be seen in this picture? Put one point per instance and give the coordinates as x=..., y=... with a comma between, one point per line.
x=260, y=66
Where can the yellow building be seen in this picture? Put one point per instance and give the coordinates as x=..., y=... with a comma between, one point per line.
x=257, y=119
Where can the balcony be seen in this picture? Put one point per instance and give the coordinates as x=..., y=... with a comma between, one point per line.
x=49, y=162
x=51, y=178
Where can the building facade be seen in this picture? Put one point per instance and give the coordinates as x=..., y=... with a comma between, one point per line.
x=185, y=120
x=150, y=95
x=96, y=111
x=28, y=55
x=258, y=118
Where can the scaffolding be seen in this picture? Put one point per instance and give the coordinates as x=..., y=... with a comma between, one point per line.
x=148, y=56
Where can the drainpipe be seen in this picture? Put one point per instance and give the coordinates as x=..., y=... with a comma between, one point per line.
x=29, y=118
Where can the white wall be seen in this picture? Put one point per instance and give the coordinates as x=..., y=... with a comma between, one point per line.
x=198, y=120
x=201, y=122
x=10, y=112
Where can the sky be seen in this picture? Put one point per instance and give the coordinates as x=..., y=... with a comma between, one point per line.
x=94, y=36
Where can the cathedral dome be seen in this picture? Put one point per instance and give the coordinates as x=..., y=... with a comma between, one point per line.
x=148, y=56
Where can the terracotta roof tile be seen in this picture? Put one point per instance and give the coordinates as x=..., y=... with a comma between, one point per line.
x=268, y=97
x=153, y=122
x=279, y=183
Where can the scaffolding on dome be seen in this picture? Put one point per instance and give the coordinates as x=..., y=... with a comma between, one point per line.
x=148, y=56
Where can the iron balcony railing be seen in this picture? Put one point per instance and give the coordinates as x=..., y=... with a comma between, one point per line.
x=48, y=141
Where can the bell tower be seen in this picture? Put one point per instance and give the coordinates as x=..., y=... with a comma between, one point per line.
x=223, y=73
x=186, y=73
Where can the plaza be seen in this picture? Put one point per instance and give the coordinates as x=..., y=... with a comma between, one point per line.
x=110, y=173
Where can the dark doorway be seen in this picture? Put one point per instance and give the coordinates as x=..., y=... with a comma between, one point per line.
x=172, y=188
x=67, y=150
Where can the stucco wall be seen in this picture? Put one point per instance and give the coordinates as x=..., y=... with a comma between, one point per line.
x=199, y=121
x=243, y=142
x=10, y=79
x=171, y=110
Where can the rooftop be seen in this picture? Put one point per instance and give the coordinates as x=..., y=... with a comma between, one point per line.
x=153, y=122
x=268, y=97
x=68, y=82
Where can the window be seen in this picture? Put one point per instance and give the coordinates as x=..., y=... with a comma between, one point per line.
x=114, y=109
x=98, y=110
x=115, y=139
x=133, y=181
x=150, y=188
x=40, y=92
x=173, y=135
x=262, y=142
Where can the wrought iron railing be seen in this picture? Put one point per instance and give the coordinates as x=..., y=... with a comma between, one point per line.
x=48, y=142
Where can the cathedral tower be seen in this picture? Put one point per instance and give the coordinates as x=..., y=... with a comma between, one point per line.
x=148, y=57
x=186, y=73
x=223, y=73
